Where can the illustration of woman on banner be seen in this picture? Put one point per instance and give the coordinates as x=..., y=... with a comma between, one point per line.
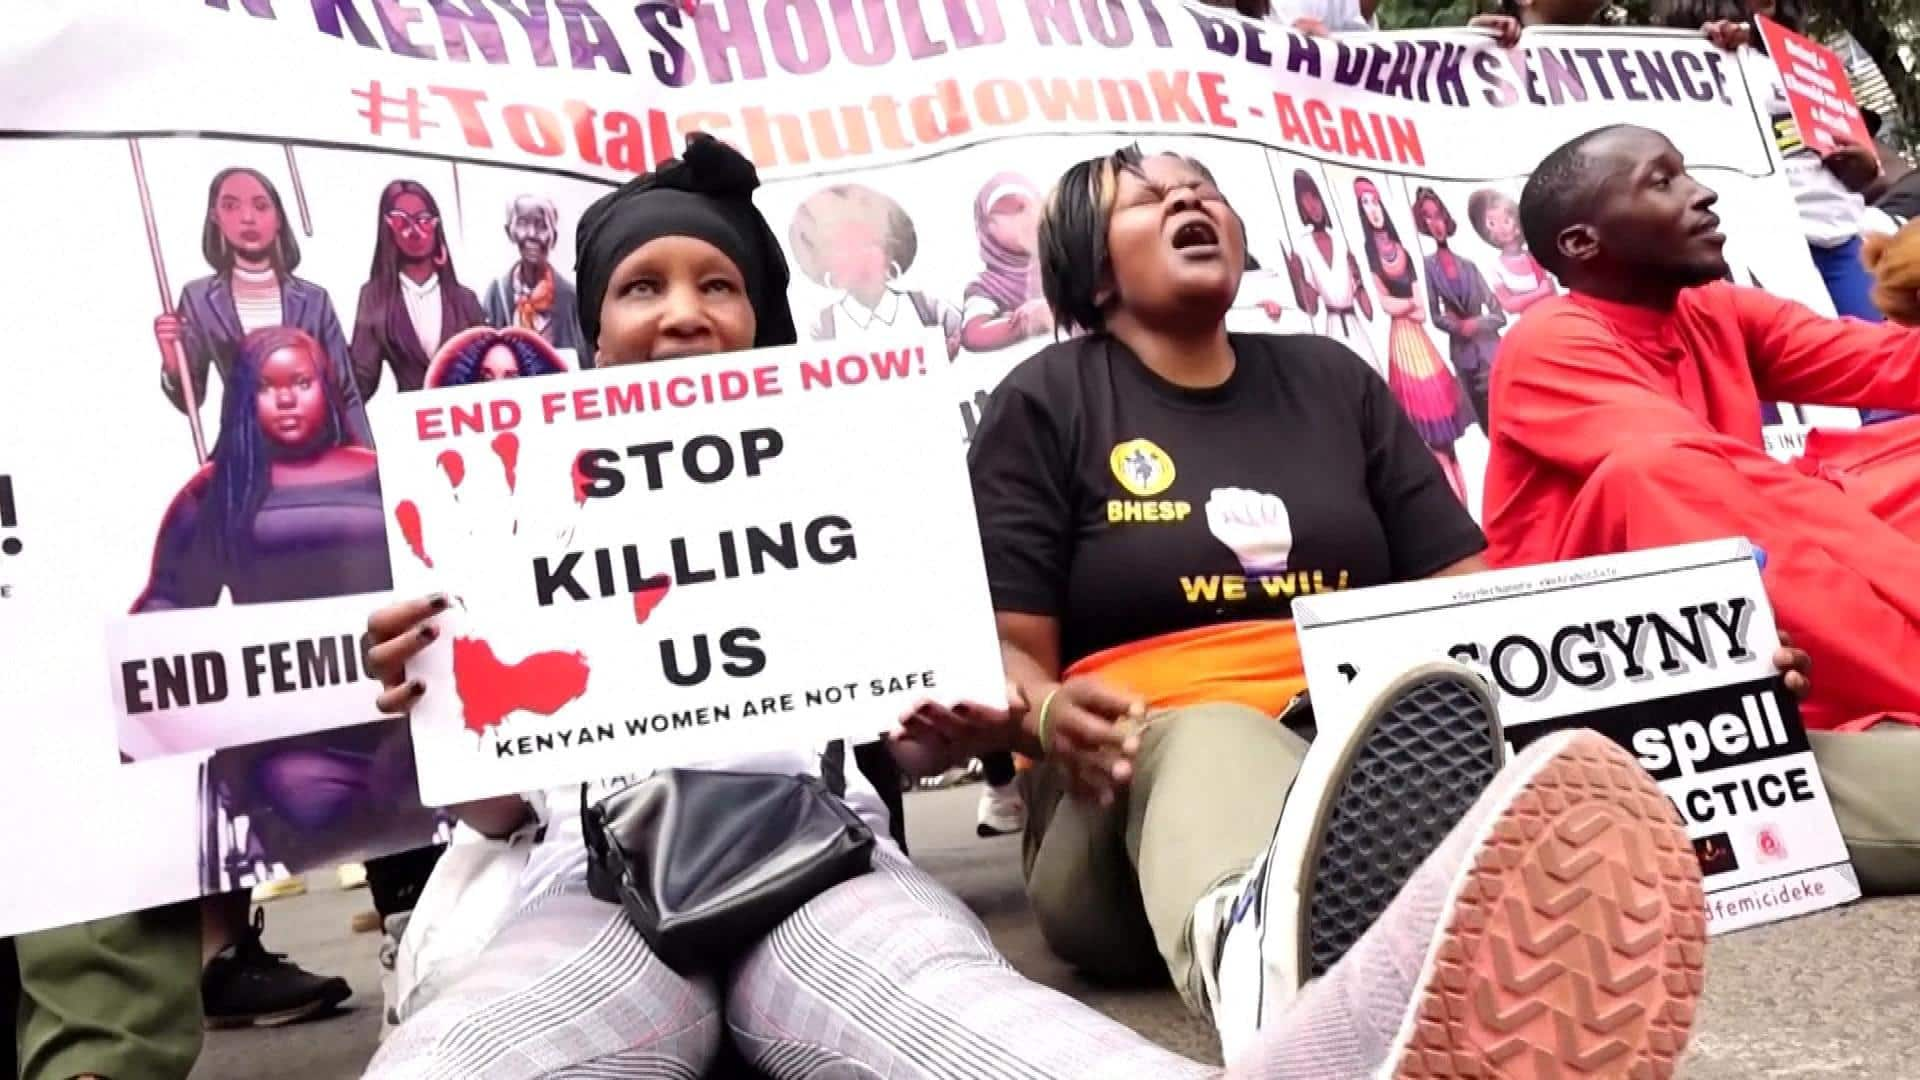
x=1519, y=281
x=532, y=294
x=412, y=301
x=287, y=506
x=1003, y=305
x=1462, y=304
x=1329, y=274
x=251, y=246
x=484, y=354
x=1417, y=376
x=858, y=241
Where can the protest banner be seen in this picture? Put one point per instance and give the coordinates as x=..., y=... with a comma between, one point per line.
x=1818, y=90
x=1667, y=652
x=232, y=157
x=655, y=565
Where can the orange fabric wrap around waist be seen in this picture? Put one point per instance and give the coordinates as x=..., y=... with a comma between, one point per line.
x=1247, y=663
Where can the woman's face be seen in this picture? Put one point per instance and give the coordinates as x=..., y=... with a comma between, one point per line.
x=1173, y=242
x=415, y=229
x=1371, y=209
x=1014, y=222
x=675, y=296
x=1434, y=220
x=857, y=259
x=244, y=213
x=499, y=363
x=1311, y=206
x=1501, y=224
x=291, y=403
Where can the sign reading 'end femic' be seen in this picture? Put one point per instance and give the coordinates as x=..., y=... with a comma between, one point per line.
x=1668, y=653
x=198, y=679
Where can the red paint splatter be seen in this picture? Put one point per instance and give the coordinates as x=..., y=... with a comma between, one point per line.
x=580, y=481
x=454, y=466
x=506, y=446
x=649, y=596
x=407, y=515
x=490, y=690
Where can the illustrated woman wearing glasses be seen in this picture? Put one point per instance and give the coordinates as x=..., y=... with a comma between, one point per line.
x=412, y=301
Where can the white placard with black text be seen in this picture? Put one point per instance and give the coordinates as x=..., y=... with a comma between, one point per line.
x=675, y=562
x=1668, y=652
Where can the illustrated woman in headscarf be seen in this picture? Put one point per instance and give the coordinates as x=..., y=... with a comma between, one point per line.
x=1003, y=305
x=1462, y=304
x=857, y=240
x=1417, y=376
x=1519, y=281
x=484, y=354
x=1328, y=273
x=252, y=249
x=412, y=301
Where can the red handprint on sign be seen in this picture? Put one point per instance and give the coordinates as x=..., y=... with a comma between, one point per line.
x=464, y=539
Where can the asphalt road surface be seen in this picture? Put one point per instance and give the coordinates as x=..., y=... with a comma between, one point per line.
x=1830, y=995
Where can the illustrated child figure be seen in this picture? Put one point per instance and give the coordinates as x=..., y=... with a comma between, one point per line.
x=859, y=242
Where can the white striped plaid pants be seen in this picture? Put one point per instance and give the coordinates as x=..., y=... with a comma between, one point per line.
x=888, y=975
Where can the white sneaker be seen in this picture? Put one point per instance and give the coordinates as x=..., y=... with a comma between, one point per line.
x=1002, y=811
x=1373, y=798
x=1559, y=930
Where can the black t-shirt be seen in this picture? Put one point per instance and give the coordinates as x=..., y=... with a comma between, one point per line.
x=1128, y=507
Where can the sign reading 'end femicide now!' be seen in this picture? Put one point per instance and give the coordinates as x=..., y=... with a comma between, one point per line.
x=662, y=564
x=1668, y=653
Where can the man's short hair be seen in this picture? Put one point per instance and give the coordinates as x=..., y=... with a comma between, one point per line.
x=1562, y=192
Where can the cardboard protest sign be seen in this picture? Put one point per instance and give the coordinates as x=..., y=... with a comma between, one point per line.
x=190, y=680
x=283, y=166
x=1668, y=653
x=667, y=563
x=1818, y=90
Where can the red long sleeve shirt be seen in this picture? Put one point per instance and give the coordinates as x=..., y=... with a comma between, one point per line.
x=1579, y=377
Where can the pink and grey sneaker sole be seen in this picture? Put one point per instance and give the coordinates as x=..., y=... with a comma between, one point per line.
x=1574, y=939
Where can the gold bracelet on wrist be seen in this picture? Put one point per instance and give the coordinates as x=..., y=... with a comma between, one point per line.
x=1041, y=730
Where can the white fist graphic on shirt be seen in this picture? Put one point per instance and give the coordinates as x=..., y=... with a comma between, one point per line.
x=1255, y=526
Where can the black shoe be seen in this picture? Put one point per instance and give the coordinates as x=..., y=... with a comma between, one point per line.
x=247, y=986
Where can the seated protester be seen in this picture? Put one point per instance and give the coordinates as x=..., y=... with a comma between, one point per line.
x=1151, y=497
x=1630, y=418
x=888, y=974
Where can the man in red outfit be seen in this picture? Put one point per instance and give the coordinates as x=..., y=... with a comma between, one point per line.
x=1630, y=418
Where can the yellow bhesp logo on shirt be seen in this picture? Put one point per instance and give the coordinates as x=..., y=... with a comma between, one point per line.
x=1144, y=470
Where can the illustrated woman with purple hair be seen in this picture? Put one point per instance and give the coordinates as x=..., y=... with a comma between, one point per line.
x=484, y=354
x=1003, y=306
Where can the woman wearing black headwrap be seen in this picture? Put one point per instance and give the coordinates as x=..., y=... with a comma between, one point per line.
x=888, y=974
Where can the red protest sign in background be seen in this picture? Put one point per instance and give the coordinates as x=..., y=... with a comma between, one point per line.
x=1817, y=88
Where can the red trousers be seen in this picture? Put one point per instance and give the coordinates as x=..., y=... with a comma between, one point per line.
x=1840, y=530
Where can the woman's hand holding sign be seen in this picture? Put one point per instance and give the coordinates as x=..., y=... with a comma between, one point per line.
x=397, y=633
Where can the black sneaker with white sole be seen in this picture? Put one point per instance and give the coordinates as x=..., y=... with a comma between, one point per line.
x=1372, y=799
x=244, y=985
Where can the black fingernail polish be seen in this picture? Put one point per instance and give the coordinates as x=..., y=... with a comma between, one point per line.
x=416, y=689
x=438, y=601
x=428, y=633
